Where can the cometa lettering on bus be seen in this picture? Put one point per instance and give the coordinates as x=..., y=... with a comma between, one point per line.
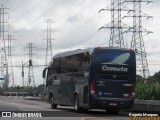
x=117, y=69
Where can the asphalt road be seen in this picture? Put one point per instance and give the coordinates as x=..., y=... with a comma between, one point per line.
x=20, y=105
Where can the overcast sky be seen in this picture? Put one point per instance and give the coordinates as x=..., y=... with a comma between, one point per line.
x=76, y=24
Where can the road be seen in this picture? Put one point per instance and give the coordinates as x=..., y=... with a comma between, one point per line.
x=20, y=105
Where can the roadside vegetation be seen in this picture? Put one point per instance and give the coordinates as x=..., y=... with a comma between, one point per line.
x=30, y=90
x=148, y=89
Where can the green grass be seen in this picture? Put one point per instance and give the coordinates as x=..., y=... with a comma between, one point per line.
x=149, y=91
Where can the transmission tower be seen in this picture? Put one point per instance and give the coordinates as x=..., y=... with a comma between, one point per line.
x=31, y=81
x=3, y=22
x=116, y=27
x=137, y=42
x=49, y=39
x=2, y=70
x=3, y=31
x=10, y=49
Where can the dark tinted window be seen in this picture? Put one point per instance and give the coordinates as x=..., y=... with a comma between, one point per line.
x=50, y=74
x=75, y=63
x=66, y=64
x=112, y=56
x=84, y=61
x=56, y=65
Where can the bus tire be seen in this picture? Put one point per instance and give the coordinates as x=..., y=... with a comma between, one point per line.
x=53, y=106
x=77, y=108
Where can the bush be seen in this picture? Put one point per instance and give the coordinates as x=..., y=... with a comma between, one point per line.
x=149, y=91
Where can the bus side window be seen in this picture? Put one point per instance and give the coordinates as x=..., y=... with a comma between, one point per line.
x=85, y=61
x=80, y=65
x=56, y=65
x=66, y=65
x=75, y=63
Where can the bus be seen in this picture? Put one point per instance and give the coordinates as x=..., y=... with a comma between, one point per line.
x=93, y=78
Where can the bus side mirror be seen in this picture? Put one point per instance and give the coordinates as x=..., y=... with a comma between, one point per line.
x=44, y=72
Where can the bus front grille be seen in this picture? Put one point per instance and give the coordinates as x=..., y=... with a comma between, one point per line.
x=114, y=76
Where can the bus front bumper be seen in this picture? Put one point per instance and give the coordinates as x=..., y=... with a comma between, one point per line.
x=104, y=103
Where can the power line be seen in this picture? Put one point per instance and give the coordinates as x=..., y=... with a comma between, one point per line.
x=88, y=37
x=60, y=18
x=37, y=5
x=79, y=27
x=89, y=21
x=53, y=6
x=18, y=6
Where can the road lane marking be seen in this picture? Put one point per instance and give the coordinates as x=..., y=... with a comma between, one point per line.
x=92, y=118
x=26, y=105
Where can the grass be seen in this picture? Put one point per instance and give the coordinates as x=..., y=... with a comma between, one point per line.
x=149, y=91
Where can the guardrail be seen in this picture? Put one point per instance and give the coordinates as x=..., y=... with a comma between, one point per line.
x=17, y=94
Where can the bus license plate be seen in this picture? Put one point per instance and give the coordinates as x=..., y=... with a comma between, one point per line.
x=112, y=104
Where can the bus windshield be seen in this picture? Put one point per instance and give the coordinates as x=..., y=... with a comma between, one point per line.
x=112, y=56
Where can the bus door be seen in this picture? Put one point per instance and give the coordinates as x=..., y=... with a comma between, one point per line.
x=56, y=87
x=66, y=89
x=52, y=83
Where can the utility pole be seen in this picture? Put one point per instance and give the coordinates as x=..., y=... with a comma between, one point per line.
x=22, y=74
x=3, y=30
x=137, y=42
x=116, y=27
x=31, y=81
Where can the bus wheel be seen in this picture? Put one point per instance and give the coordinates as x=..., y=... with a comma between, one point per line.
x=77, y=108
x=53, y=106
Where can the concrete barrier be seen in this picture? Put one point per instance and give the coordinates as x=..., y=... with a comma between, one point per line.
x=146, y=105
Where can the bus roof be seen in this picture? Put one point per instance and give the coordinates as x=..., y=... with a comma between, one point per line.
x=73, y=52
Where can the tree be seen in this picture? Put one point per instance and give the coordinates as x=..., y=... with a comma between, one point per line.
x=139, y=78
x=18, y=87
x=40, y=87
x=156, y=77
